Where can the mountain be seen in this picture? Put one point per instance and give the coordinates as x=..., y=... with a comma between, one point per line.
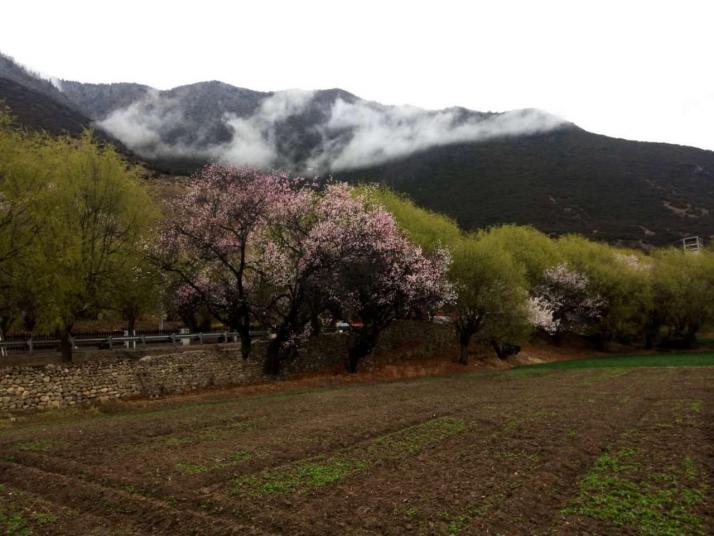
x=11, y=70
x=38, y=111
x=565, y=180
x=481, y=168
x=304, y=131
x=38, y=104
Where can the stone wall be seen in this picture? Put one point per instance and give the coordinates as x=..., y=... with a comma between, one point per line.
x=55, y=386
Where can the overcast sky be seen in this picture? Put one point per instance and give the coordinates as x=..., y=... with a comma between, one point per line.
x=633, y=69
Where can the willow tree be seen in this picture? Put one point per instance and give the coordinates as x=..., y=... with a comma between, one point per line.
x=96, y=214
x=683, y=288
x=22, y=179
x=491, y=306
x=530, y=248
x=621, y=278
x=430, y=230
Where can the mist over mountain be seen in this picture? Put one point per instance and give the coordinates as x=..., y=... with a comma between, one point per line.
x=305, y=131
x=524, y=166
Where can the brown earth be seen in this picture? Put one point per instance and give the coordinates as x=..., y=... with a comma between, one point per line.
x=526, y=451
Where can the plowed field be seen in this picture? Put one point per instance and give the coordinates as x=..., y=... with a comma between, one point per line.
x=527, y=451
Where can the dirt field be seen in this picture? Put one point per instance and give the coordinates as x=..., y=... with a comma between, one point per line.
x=527, y=451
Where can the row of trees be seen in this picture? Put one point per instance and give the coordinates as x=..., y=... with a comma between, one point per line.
x=80, y=234
x=511, y=280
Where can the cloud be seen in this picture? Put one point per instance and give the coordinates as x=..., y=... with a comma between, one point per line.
x=141, y=124
x=382, y=133
x=254, y=140
x=338, y=134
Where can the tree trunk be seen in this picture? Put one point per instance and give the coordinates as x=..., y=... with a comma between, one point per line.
x=276, y=354
x=601, y=342
x=278, y=351
x=464, y=354
x=5, y=323
x=131, y=324
x=500, y=351
x=690, y=338
x=65, y=338
x=271, y=365
x=363, y=343
x=315, y=326
x=246, y=342
x=464, y=340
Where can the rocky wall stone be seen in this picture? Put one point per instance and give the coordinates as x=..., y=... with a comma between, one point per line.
x=55, y=386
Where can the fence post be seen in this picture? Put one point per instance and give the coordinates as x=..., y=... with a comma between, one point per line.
x=200, y=338
x=185, y=341
x=111, y=344
x=29, y=345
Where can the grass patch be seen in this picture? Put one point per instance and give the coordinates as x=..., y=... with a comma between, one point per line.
x=34, y=446
x=457, y=522
x=14, y=524
x=43, y=519
x=518, y=455
x=293, y=393
x=319, y=472
x=511, y=425
x=195, y=468
x=192, y=468
x=217, y=433
x=240, y=455
x=627, y=361
x=412, y=440
x=660, y=503
x=311, y=474
x=526, y=371
x=606, y=375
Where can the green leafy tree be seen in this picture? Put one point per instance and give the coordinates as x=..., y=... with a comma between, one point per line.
x=621, y=278
x=683, y=288
x=96, y=214
x=491, y=306
x=21, y=181
x=530, y=248
x=424, y=227
x=137, y=290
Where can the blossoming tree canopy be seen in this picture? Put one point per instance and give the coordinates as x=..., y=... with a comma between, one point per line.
x=347, y=257
x=267, y=248
x=564, y=302
x=383, y=276
x=211, y=232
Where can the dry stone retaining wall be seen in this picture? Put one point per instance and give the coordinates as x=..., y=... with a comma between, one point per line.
x=63, y=385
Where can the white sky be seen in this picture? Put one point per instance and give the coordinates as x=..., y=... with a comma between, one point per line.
x=633, y=69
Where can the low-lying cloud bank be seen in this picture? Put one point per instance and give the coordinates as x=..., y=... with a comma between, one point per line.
x=384, y=133
x=346, y=134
